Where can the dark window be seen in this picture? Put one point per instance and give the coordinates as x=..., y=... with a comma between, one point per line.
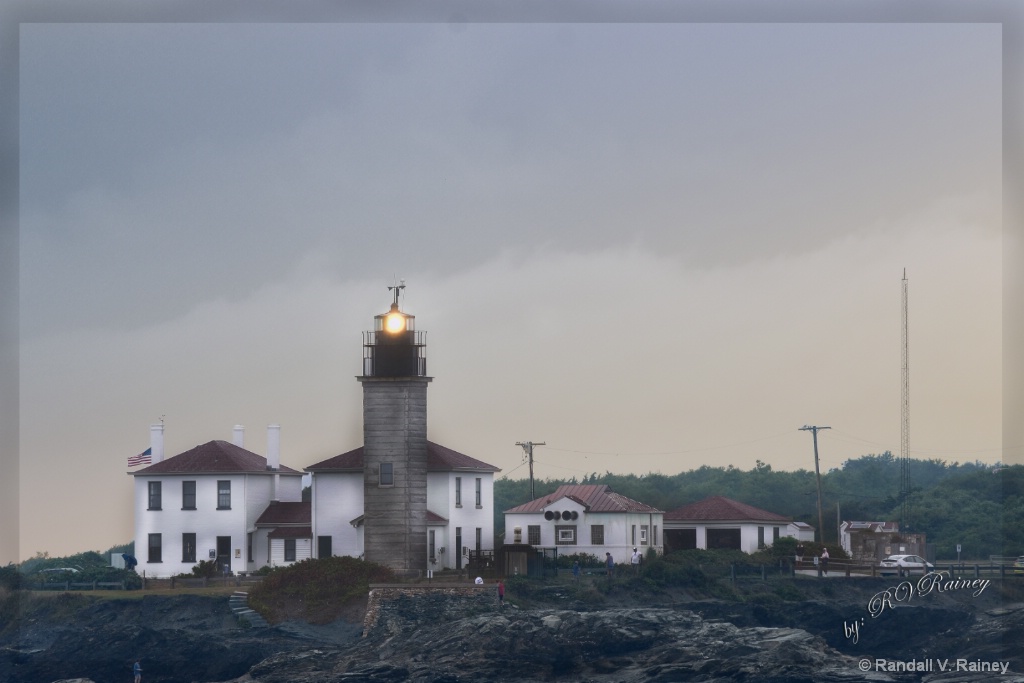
x=224, y=495
x=633, y=535
x=760, y=537
x=188, y=495
x=154, y=495
x=188, y=547
x=597, y=534
x=654, y=536
x=323, y=546
x=533, y=534
x=155, y=547
x=479, y=535
x=775, y=532
x=723, y=538
x=248, y=547
x=479, y=495
x=431, y=542
x=387, y=474
x=458, y=492
x=289, y=550
x=565, y=534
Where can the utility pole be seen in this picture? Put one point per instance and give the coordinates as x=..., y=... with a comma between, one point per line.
x=817, y=472
x=528, y=449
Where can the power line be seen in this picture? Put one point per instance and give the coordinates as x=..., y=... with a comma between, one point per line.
x=679, y=452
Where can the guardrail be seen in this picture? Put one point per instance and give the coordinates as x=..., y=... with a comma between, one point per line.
x=199, y=582
x=849, y=569
x=82, y=585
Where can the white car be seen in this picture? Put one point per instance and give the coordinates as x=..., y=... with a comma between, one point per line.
x=904, y=564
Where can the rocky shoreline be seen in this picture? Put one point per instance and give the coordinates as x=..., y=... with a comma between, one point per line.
x=553, y=636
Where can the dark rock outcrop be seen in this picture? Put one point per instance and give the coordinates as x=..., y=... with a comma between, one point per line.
x=444, y=639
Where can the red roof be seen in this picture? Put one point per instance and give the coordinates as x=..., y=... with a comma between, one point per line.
x=719, y=508
x=439, y=459
x=434, y=518
x=214, y=457
x=595, y=497
x=280, y=513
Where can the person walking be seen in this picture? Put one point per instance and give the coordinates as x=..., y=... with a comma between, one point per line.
x=824, y=561
x=635, y=562
x=137, y=670
x=576, y=572
x=501, y=593
x=609, y=564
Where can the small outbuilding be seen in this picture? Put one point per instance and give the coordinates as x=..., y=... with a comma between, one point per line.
x=720, y=522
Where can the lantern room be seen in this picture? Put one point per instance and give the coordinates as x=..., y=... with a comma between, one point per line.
x=394, y=348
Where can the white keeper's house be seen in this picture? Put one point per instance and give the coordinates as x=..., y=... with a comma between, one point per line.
x=398, y=500
x=204, y=504
x=587, y=518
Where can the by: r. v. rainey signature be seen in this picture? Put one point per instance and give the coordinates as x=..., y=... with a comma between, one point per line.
x=932, y=582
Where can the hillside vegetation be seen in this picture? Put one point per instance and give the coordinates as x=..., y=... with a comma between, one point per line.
x=979, y=506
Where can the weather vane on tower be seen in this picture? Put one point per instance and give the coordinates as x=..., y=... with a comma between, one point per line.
x=397, y=288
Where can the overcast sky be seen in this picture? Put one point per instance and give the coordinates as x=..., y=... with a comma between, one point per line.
x=653, y=246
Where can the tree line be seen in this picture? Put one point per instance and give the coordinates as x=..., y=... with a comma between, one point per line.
x=976, y=505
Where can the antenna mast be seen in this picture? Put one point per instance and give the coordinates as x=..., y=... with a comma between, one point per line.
x=905, y=425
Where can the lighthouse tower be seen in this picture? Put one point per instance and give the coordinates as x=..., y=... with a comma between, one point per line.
x=394, y=383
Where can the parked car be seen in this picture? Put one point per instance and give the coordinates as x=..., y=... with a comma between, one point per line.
x=1018, y=565
x=904, y=564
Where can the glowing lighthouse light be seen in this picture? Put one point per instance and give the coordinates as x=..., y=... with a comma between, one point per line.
x=394, y=321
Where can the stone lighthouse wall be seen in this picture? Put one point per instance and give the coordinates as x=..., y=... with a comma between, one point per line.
x=395, y=431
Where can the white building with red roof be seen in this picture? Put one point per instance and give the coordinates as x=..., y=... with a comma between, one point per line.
x=720, y=522
x=460, y=506
x=587, y=518
x=204, y=504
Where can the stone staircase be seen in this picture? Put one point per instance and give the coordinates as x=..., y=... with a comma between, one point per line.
x=239, y=602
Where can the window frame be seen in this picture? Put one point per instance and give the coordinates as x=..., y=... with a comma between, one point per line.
x=154, y=491
x=187, y=496
x=289, y=549
x=532, y=539
x=479, y=493
x=188, y=542
x=458, y=492
x=157, y=556
x=388, y=481
x=223, y=494
x=565, y=534
x=597, y=534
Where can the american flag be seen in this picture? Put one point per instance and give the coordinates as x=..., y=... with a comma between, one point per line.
x=143, y=458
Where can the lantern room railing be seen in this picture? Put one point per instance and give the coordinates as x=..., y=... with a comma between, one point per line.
x=387, y=355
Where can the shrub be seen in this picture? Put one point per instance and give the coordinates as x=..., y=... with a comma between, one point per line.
x=11, y=578
x=585, y=560
x=316, y=590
